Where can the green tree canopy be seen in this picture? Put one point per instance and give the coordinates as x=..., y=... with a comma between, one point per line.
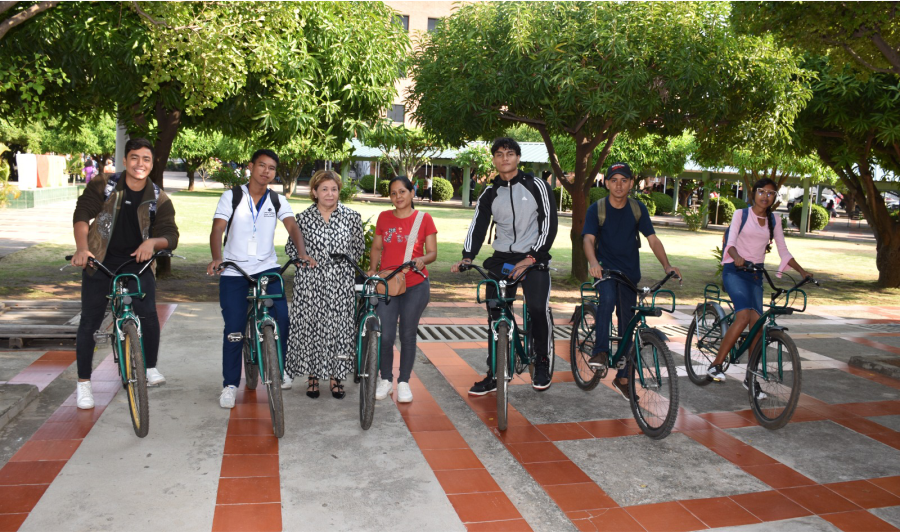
x=590, y=71
x=405, y=149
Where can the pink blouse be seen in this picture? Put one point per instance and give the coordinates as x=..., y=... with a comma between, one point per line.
x=751, y=242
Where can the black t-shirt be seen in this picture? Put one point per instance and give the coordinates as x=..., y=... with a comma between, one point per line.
x=126, y=236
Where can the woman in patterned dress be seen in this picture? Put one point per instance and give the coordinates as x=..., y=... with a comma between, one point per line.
x=322, y=327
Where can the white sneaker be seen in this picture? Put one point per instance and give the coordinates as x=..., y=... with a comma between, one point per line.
x=154, y=377
x=404, y=394
x=384, y=389
x=226, y=400
x=84, y=397
x=287, y=382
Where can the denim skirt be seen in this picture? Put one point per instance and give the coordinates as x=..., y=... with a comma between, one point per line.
x=744, y=288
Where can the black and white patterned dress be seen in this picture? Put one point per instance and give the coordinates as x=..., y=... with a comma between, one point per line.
x=323, y=306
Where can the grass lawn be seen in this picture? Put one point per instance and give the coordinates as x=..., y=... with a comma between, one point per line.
x=847, y=268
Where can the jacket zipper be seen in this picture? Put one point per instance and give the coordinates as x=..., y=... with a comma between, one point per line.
x=513, y=207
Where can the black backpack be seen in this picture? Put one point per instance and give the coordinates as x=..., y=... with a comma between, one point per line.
x=237, y=194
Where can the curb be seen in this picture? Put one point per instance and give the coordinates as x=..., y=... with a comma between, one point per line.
x=885, y=366
x=13, y=399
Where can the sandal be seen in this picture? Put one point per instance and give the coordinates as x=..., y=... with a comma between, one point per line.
x=312, y=388
x=337, y=389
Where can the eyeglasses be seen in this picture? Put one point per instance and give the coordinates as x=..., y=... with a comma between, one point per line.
x=767, y=193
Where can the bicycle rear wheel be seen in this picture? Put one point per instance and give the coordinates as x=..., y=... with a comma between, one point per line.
x=653, y=387
x=702, y=344
x=368, y=378
x=273, y=379
x=780, y=386
x=251, y=370
x=503, y=374
x=132, y=359
x=581, y=347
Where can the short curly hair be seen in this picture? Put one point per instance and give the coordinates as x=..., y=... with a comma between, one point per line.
x=321, y=176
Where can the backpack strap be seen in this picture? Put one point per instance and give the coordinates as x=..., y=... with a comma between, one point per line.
x=601, y=211
x=113, y=180
x=237, y=194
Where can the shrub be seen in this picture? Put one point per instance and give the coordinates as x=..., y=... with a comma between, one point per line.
x=648, y=202
x=818, y=217
x=664, y=203
x=738, y=203
x=692, y=217
x=348, y=191
x=720, y=210
x=384, y=187
x=596, y=194
x=563, y=199
x=442, y=190
x=367, y=183
x=228, y=177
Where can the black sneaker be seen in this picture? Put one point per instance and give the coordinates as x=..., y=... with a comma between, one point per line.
x=599, y=361
x=760, y=395
x=620, y=387
x=540, y=381
x=484, y=386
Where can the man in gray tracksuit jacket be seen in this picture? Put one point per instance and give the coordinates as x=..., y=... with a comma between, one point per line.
x=524, y=210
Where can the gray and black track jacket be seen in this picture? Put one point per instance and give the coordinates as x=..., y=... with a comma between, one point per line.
x=524, y=209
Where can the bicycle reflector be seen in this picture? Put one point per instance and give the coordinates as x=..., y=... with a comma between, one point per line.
x=101, y=337
x=235, y=337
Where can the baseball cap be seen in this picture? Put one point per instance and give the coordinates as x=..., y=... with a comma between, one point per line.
x=619, y=168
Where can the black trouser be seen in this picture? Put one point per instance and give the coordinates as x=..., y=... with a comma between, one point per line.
x=536, y=288
x=407, y=309
x=94, y=289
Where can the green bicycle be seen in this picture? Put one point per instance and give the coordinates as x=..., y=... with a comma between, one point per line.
x=128, y=345
x=774, y=373
x=262, y=348
x=510, y=350
x=368, y=334
x=653, y=382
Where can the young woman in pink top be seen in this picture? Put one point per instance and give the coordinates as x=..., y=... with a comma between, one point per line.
x=750, y=244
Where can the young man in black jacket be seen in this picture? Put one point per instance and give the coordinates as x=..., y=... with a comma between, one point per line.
x=524, y=211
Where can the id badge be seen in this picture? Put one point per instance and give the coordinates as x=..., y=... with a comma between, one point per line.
x=251, y=247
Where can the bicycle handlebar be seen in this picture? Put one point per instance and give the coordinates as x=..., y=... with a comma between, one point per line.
x=752, y=267
x=228, y=264
x=489, y=276
x=621, y=277
x=100, y=266
x=411, y=264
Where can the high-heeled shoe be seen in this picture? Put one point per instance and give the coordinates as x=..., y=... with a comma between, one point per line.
x=337, y=389
x=312, y=388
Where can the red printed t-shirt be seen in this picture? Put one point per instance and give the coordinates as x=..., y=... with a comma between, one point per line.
x=394, y=232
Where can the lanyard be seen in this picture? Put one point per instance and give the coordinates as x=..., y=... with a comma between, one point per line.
x=259, y=205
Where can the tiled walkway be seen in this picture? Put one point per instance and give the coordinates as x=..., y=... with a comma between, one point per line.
x=569, y=459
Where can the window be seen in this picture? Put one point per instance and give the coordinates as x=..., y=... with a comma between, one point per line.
x=397, y=113
x=402, y=20
x=432, y=24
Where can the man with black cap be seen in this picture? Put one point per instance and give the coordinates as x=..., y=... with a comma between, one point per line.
x=611, y=240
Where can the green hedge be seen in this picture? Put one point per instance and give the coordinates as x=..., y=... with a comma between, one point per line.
x=367, y=183
x=384, y=187
x=596, y=194
x=725, y=210
x=648, y=202
x=819, y=217
x=563, y=199
x=348, y=191
x=738, y=203
x=228, y=177
x=664, y=202
x=441, y=189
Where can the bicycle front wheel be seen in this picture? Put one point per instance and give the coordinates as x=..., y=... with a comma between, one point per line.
x=503, y=374
x=251, y=370
x=581, y=348
x=132, y=360
x=368, y=378
x=702, y=344
x=653, y=387
x=273, y=379
x=774, y=383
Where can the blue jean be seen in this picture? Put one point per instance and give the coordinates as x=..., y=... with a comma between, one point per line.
x=613, y=295
x=233, y=292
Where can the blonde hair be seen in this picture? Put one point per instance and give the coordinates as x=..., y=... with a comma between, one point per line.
x=320, y=177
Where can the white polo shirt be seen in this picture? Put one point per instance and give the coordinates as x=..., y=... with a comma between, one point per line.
x=238, y=247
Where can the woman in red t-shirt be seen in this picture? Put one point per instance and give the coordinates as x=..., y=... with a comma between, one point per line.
x=393, y=231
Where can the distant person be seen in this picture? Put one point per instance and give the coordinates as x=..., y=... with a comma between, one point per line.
x=830, y=208
x=428, y=182
x=473, y=183
x=110, y=168
x=88, y=171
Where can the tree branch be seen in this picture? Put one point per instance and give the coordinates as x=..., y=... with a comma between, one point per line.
x=578, y=126
x=889, y=53
x=602, y=157
x=551, y=153
x=525, y=120
x=23, y=15
x=863, y=62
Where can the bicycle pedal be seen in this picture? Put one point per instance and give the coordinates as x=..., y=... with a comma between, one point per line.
x=102, y=337
x=235, y=337
x=621, y=364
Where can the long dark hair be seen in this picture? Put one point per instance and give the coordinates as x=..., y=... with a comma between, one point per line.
x=407, y=184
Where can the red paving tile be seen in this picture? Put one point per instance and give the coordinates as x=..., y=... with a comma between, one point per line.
x=862, y=425
x=12, y=522
x=858, y=521
x=819, y=499
x=15, y=473
x=251, y=445
x=614, y=520
x=609, y=428
x=445, y=439
x=664, y=517
x=73, y=430
x=555, y=473
x=466, y=481
x=575, y=497
x=20, y=499
x=252, y=490
x=527, y=453
x=890, y=484
x=888, y=438
x=245, y=517
x=46, y=450
x=443, y=459
x=515, y=525
x=428, y=423
x=778, y=476
x=719, y=512
x=564, y=431
x=864, y=494
x=770, y=506
x=727, y=420
x=249, y=465
x=520, y=434
x=249, y=427
x=744, y=455
x=480, y=507
x=251, y=410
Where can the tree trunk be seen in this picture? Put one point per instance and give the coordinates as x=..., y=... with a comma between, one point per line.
x=167, y=123
x=887, y=259
x=190, y=176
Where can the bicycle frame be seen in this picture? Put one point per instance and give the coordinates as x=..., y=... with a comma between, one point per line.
x=122, y=311
x=258, y=313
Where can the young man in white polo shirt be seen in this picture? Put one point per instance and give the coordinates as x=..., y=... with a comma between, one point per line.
x=250, y=243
